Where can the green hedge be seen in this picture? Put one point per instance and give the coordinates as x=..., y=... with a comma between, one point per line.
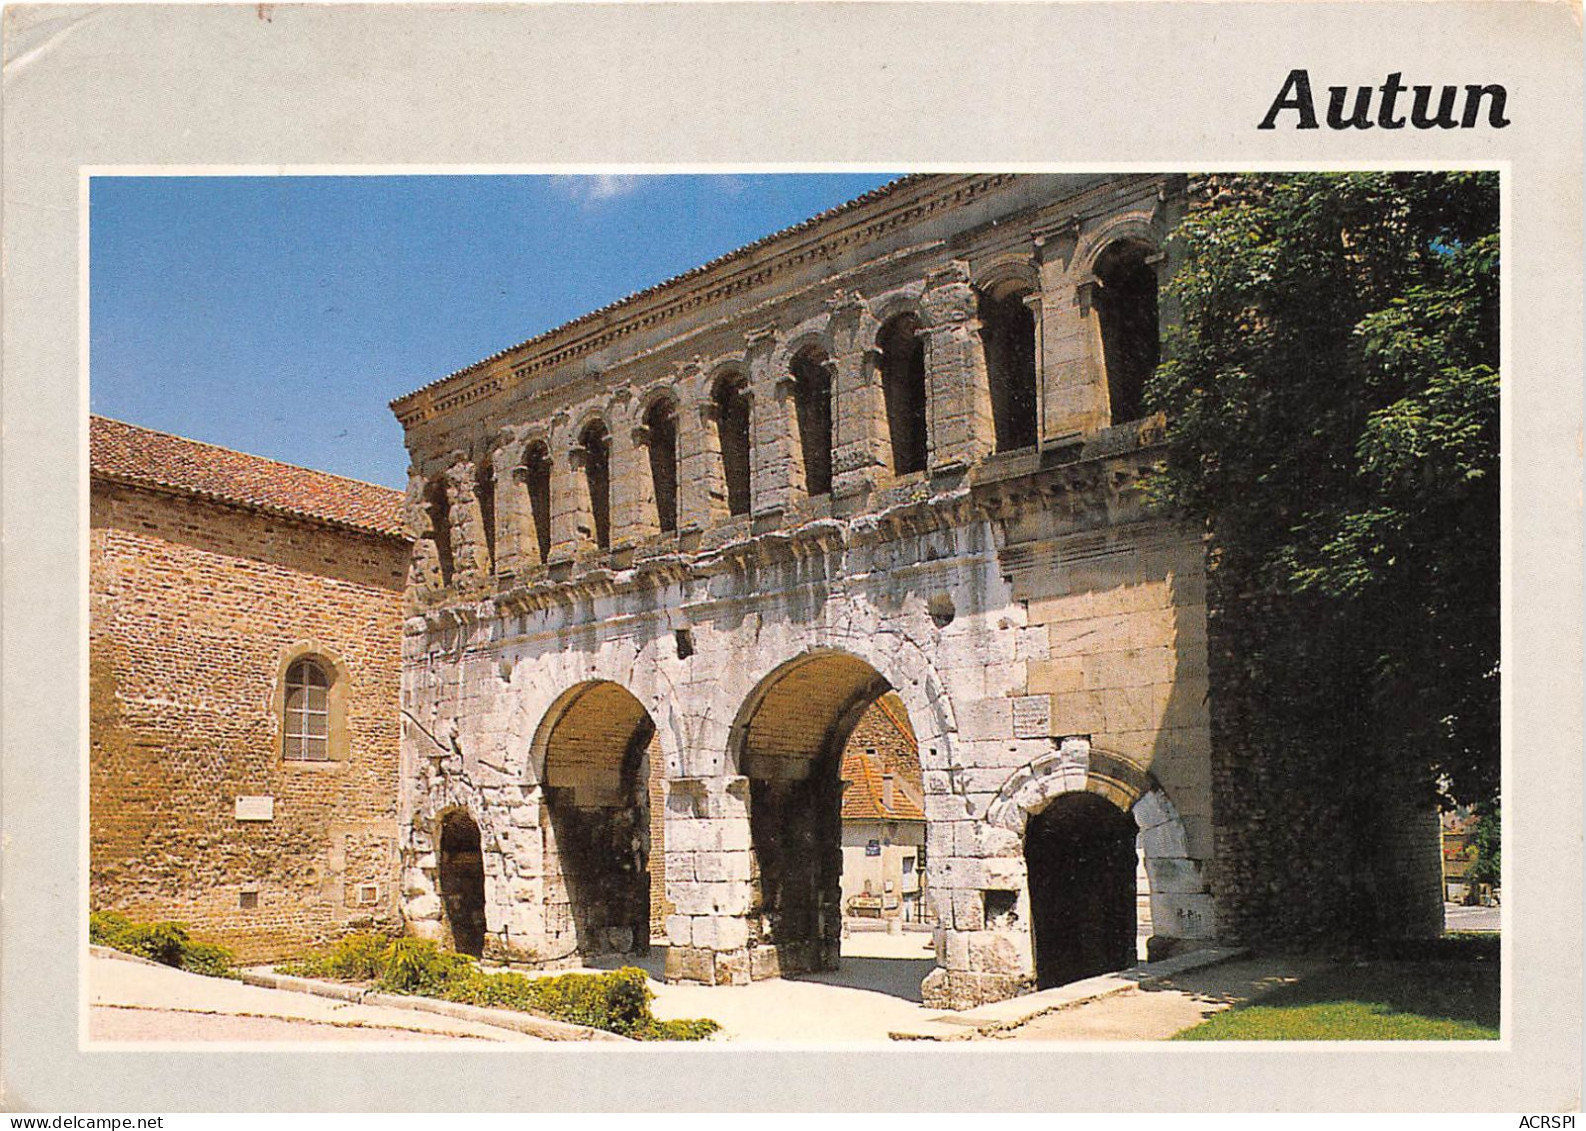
x=618, y=1002
x=165, y=942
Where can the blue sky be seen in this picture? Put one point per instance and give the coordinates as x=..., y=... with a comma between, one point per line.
x=279, y=315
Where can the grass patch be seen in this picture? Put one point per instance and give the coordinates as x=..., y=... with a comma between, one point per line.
x=167, y=943
x=1451, y=994
x=618, y=1002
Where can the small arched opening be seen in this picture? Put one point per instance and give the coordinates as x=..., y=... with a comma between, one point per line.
x=731, y=404
x=439, y=509
x=462, y=882
x=1008, y=333
x=812, y=402
x=537, y=480
x=903, y=388
x=660, y=423
x=595, y=443
x=485, y=496
x=1126, y=308
x=1081, y=861
x=598, y=745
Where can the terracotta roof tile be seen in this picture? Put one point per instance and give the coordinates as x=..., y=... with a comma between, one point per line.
x=128, y=453
x=862, y=775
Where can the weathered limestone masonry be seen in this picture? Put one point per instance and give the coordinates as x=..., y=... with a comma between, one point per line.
x=894, y=447
x=214, y=578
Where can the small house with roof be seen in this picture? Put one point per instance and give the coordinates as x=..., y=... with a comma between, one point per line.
x=883, y=814
x=244, y=667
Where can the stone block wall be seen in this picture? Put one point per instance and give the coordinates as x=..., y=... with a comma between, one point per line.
x=194, y=609
x=1044, y=631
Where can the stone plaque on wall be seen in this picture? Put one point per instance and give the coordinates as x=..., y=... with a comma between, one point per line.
x=255, y=809
x=1032, y=716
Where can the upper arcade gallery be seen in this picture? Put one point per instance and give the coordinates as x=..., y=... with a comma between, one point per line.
x=584, y=446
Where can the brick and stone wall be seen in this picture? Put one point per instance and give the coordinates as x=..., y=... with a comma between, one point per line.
x=1042, y=627
x=196, y=608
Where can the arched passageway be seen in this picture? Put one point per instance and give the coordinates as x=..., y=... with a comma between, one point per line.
x=597, y=743
x=1081, y=860
x=462, y=882
x=791, y=739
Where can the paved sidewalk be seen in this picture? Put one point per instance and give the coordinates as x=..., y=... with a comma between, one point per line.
x=178, y=1006
x=1155, y=1010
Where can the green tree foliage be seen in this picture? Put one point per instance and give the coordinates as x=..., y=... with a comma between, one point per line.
x=1332, y=414
x=1487, y=867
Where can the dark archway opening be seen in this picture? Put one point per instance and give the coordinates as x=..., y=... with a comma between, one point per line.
x=485, y=493
x=441, y=527
x=1126, y=304
x=596, y=444
x=1080, y=855
x=1008, y=331
x=537, y=478
x=812, y=402
x=732, y=432
x=462, y=882
x=597, y=836
x=661, y=423
x=791, y=748
x=903, y=388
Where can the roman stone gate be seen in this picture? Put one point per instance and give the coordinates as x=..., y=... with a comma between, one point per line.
x=667, y=555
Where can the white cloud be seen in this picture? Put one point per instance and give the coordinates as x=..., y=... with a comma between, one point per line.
x=592, y=189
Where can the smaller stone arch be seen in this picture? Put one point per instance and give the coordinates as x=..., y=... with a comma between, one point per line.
x=460, y=878
x=900, y=354
x=884, y=308
x=1007, y=274
x=1122, y=268
x=1141, y=225
x=653, y=396
x=816, y=334
x=731, y=401
x=1179, y=892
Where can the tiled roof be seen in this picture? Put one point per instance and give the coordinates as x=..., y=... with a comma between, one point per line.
x=130, y=454
x=863, y=793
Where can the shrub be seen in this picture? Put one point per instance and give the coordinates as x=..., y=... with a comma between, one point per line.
x=418, y=966
x=167, y=943
x=618, y=1002
x=357, y=957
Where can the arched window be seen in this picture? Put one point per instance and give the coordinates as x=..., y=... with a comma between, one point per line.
x=1127, y=310
x=307, y=712
x=537, y=478
x=812, y=404
x=441, y=526
x=661, y=423
x=1008, y=331
x=485, y=494
x=732, y=430
x=903, y=387
x=595, y=441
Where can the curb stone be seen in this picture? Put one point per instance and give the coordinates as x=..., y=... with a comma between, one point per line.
x=1002, y=1016
x=531, y=1024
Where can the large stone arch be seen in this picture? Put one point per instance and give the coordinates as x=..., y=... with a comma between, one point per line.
x=539, y=683
x=1180, y=893
x=593, y=749
x=889, y=650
